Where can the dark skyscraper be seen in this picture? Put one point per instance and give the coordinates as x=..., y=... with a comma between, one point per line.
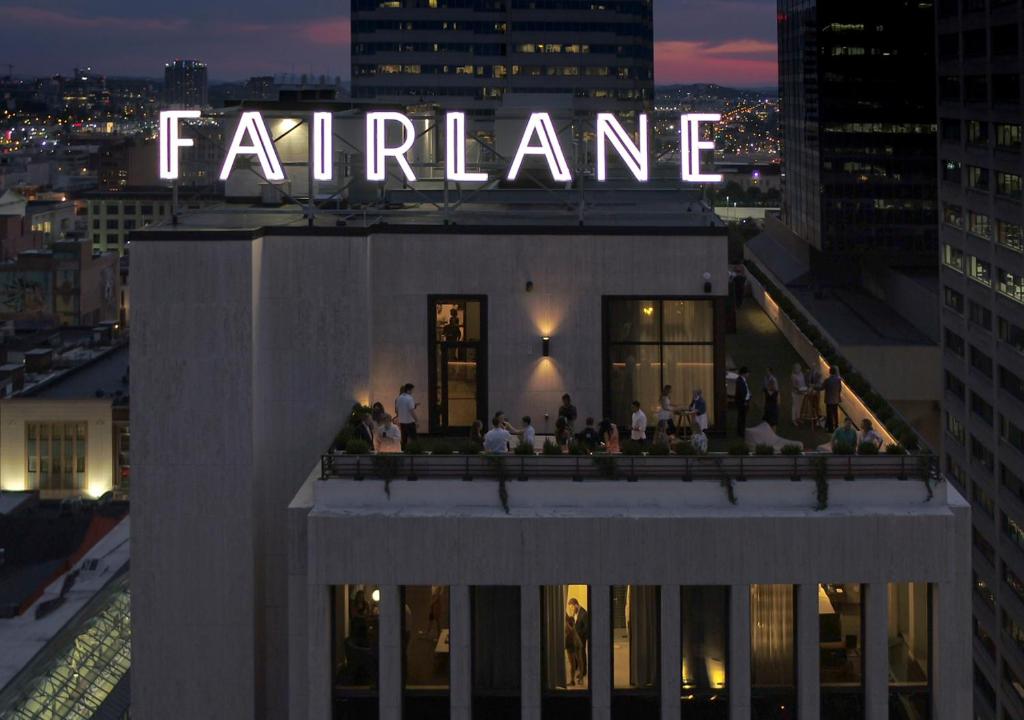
x=469, y=54
x=185, y=85
x=858, y=122
x=982, y=265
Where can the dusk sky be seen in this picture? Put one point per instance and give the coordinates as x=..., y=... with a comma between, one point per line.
x=731, y=42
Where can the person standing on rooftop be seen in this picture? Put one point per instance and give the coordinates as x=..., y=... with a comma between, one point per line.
x=405, y=406
x=568, y=411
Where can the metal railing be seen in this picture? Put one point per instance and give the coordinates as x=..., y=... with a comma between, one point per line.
x=630, y=468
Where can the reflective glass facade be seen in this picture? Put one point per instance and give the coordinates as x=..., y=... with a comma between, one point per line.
x=858, y=137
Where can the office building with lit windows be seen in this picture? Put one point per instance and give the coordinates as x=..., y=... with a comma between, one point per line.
x=982, y=316
x=858, y=135
x=470, y=55
x=186, y=86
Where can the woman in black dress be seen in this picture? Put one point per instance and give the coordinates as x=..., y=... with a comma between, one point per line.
x=771, y=398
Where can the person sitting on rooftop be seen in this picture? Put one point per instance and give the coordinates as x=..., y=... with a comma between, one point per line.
x=589, y=436
x=845, y=436
x=389, y=437
x=868, y=434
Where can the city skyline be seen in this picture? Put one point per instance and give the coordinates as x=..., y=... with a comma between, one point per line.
x=730, y=42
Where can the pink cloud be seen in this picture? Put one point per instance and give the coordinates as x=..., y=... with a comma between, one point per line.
x=22, y=15
x=742, y=62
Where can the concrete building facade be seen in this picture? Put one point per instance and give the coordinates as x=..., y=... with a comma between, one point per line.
x=982, y=315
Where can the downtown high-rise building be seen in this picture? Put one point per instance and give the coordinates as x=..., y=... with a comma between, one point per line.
x=982, y=315
x=469, y=55
x=858, y=123
x=185, y=85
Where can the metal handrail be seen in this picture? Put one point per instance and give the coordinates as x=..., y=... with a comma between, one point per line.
x=580, y=468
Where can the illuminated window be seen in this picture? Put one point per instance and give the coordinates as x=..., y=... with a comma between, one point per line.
x=426, y=649
x=772, y=654
x=979, y=270
x=1009, y=235
x=841, y=649
x=909, y=649
x=55, y=455
x=636, y=654
x=565, y=650
x=1011, y=285
x=953, y=257
x=654, y=343
x=1008, y=185
x=704, y=649
x=356, y=647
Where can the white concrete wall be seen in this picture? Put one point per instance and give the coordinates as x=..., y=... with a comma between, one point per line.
x=245, y=359
x=570, y=274
x=96, y=412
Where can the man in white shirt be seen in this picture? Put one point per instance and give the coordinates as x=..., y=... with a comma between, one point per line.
x=527, y=434
x=405, y=406
x=497, y=438
x=638, y=427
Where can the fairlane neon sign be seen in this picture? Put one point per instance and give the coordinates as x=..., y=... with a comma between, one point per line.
x=538, y=139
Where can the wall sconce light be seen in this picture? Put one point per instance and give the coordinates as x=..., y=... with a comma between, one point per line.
x=545, y=346
x=529, y=286
x=707, y=283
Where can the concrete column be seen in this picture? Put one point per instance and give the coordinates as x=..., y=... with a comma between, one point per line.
x=529, y=627
x=951, y=644
x=738, y=679
x=808, y=681
x=459, y=670
x=600, y=661
x=876, y=650
x=318, y=632
x=390, y=638
x=671, y=662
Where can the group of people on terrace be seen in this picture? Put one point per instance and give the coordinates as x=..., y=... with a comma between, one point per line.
x=675, y=424
x=808, y=387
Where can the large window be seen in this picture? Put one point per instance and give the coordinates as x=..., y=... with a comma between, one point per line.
x=565, y=652
x=636, y=654
x=426, y=650
x=356, y=651
x=457, y=361
x=909, y=650
x=704, y=651
x=653, y=343
x=55, y=455
x=841, y=640
x=772, y=652
x=496, y=652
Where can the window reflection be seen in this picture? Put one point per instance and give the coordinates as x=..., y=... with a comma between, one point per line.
x=841, y=641
x=772, y=656
x=355, y=649
x=704, y=646
x=909, y=634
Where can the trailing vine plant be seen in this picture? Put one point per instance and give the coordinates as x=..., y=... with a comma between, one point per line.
x=820, y=466
x=498, y=463
x=726, y=482
x=928, y=472
x=386, y=467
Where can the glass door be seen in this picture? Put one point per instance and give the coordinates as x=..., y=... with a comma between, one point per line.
x=457, y=362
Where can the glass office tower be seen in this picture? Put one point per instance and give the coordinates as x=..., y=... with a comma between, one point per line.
x=858, y=123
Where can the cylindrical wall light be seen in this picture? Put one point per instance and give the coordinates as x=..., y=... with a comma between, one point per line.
x=545, y=346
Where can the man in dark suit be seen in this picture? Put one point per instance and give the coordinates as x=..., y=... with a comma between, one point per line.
x=833, y=387
x=581, y=623
x=364, y=430
x=742, y=399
